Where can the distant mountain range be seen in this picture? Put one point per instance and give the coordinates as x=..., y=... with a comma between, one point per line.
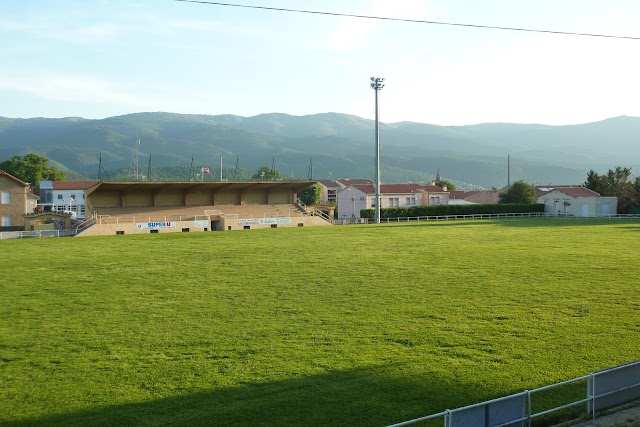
x=337, y=145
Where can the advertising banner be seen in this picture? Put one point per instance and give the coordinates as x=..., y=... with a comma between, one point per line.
x=155, y=225
x=264, y=221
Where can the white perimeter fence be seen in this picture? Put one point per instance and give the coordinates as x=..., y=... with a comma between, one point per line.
x=36, y=234
x=595, y=392
x=106, y=219
x=349, y=221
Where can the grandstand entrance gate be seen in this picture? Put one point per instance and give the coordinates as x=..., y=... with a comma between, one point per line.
x=217, y=225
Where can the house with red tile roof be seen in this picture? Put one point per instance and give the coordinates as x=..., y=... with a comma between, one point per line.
x=353, y=198
x=575, y=200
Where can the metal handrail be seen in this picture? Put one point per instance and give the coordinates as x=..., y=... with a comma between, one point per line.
x=591, y=398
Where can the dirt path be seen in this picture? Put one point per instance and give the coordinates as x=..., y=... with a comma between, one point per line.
x=626, y=418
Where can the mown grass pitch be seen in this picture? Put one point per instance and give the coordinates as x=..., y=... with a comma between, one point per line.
x=356, y=325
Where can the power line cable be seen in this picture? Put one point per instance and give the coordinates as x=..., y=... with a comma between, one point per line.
x=416, y=21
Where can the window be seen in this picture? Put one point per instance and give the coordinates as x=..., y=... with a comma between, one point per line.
x=394, y=201
x=59, y=196
x=5, y=198
x=46, y=196
x=411, y=201
x=6, y=221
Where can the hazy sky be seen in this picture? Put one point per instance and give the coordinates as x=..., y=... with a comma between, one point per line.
x=99, y=58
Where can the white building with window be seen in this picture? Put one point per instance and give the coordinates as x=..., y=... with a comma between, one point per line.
x=353, y=198
x=64, y=197
x=575, y=201
x=330, y=188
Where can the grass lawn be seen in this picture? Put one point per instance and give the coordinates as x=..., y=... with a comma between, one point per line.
x=345, y=326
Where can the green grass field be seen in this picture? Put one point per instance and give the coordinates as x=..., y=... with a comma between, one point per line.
x=328, y=326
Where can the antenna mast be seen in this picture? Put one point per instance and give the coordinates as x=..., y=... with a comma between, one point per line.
x=273, y=167
x=136, y=152
x=236, y=173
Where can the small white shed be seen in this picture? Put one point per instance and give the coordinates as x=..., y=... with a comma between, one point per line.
x=576, y=201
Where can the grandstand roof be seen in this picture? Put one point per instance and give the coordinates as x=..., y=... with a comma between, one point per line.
x=200, y=185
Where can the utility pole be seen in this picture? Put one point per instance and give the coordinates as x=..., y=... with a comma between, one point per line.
x=136, y=152
x=376, y=85
x=508, y=172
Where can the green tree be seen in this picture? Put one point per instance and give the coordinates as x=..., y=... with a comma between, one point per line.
x=616, y=183
x=311, y=195
x=266, y=173
x=32, y=168
x=519, y=192
x=444, y=183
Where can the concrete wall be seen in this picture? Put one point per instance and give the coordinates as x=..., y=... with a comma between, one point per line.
x=199, y=198
x=167, y=198
x=227, y=198
x=280, y=197
x=105, y=199
x=255, y=197
x=196, y=226
x=139, y=199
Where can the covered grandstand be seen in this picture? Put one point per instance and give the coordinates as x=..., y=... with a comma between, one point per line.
x=161, y=207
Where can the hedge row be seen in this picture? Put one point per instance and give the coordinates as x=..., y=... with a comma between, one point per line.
x=448, y=210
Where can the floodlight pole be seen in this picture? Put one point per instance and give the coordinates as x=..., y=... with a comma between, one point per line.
x=376, y=85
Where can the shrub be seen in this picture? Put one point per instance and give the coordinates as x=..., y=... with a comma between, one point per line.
x=451, y=210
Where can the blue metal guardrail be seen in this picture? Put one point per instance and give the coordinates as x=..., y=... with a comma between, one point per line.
x=605, y=389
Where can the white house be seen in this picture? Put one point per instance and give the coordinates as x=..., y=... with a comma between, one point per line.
x=575, y=201
x=64, y=197
x=353, y=198
x=330, y=188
